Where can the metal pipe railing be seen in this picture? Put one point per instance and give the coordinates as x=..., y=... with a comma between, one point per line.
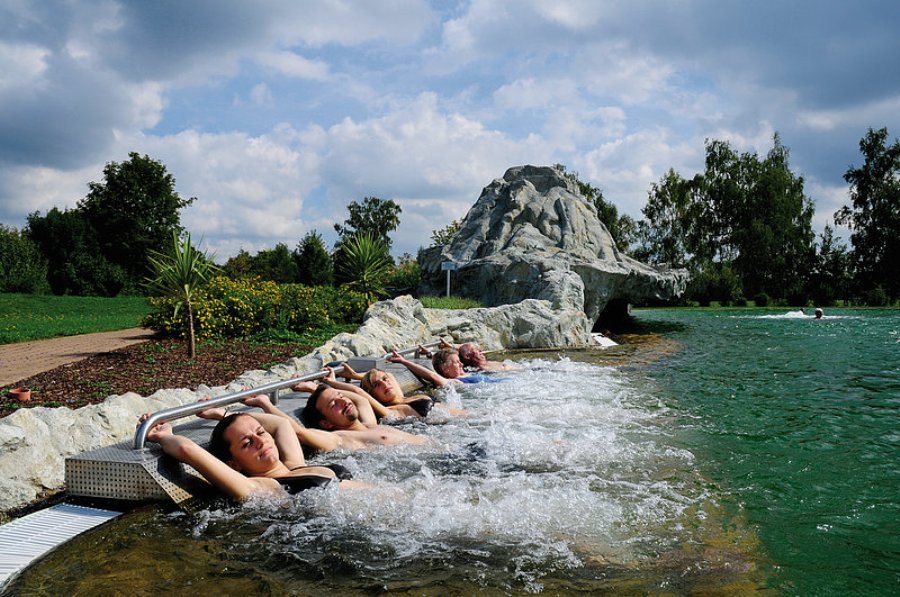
x=186, y=410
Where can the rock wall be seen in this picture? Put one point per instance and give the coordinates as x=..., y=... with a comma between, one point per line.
x=531, y=234
x=34, y=442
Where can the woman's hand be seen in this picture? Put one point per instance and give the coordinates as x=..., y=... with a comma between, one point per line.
x=158, y=431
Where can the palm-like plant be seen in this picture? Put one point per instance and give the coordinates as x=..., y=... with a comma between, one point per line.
x=366, y=264
x=180, y=274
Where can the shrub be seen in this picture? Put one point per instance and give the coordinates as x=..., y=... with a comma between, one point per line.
x=877, y=297
x=242, y=308
x=761, y=299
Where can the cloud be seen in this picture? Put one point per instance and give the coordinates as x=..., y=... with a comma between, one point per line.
x=292, y=65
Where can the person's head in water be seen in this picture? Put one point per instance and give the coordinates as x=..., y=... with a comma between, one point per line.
x=819, y=313
x=471, y=355
x=446, y=363
x=243, y=444
x=382, y=385
x=328, y=408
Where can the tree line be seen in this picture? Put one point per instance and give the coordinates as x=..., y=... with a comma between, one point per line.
x=742, y=227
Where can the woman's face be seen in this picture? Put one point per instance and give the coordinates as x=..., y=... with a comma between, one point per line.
x=252, y=448
x=384, y=386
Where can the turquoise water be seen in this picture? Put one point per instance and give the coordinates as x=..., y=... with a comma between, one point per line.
x=722, y=452
x=798, y=423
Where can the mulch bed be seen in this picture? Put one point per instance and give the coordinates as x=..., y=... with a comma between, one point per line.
x=145, y=368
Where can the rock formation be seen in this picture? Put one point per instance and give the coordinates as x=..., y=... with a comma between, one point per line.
x=531, y=234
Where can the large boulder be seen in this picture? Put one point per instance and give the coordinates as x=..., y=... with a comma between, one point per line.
x=531, y=234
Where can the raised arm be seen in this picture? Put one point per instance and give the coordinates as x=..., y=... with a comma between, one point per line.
x=420, y=371
x=317, y=439
x=219, y=474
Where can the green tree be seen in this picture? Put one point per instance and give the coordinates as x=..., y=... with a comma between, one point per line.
x=443, y=236
x=134, y=211
x=240, y=266
x=275, y=264
x=314, y=265
x=75, y=264
x=365, y=265
x=22, y=267
x=375, y=217
x=874, y=218
x=663, y=233
x=742, y=212
x=180, y=274
x=830, y=275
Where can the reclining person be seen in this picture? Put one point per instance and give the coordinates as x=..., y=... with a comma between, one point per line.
x=383, y=386
x=472, y=357
x=348, y=413
x=248, y=455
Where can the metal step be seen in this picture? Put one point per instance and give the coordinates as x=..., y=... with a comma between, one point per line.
x=26, y=539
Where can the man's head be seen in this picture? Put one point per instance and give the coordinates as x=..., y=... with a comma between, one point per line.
x=471, y=356
x=819, y=313
x=446, y=362
x=382, y=385
x=329, y=409
x=242, y=443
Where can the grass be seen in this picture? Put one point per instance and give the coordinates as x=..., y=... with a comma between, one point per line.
x=26, y=317
x=449, y=302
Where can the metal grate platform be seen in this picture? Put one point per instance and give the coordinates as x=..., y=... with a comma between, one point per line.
x=25, y=539
x=119, y=472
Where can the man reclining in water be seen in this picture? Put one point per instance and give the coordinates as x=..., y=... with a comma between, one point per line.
x=471, y=356
x=347, y=413
x=383, y=386
x=249, y=454
x=447, y=369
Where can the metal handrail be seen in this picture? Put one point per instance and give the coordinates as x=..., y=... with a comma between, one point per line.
x=186, y=410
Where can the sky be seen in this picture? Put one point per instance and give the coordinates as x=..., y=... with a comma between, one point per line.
x=275, y=115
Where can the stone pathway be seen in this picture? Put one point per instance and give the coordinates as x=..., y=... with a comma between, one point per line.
x=23, y=359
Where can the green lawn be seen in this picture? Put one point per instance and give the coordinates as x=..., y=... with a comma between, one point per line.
x=35, y=316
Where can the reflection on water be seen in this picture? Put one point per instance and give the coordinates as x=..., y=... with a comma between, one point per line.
x=568, y=476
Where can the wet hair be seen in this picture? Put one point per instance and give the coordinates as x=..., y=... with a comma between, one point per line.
x=310, y=416
x=218, y=445
x=441, y=357
x=465, y=350
x=366, y=382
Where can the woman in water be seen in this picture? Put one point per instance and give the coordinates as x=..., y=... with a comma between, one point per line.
x=248, y=454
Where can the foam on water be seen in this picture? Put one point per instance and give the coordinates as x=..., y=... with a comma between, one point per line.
x=559, y=459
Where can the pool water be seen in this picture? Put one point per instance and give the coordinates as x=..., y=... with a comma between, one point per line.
x=719, y=451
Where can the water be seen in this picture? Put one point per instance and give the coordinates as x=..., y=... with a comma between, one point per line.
x=722, y=451
x=797, y=421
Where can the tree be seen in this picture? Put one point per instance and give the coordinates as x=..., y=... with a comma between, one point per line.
x=75, y=264
x=830, y=275
x=663, y=234
x=180, y=273
x=874, y=218
x=22, y=267
x=365, y=264
x=375, y=217
x=134, y=211
x=742, y=212
x=276, y=264
x=240, y=266
x=314, y=265
x=443, y=236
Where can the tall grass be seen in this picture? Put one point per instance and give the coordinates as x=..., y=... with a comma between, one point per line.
x=36, y=316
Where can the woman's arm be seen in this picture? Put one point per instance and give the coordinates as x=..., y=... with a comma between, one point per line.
x=219, y=474
x=420, y=371
x=316, y=439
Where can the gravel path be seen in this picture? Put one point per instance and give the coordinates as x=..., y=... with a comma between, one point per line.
x=25, y=359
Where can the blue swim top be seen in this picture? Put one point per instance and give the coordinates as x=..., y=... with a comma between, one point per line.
x=479, y=378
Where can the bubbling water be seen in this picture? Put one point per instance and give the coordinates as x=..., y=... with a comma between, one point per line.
x=557, y=464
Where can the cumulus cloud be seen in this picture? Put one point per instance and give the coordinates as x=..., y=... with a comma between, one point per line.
x=275, y=119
